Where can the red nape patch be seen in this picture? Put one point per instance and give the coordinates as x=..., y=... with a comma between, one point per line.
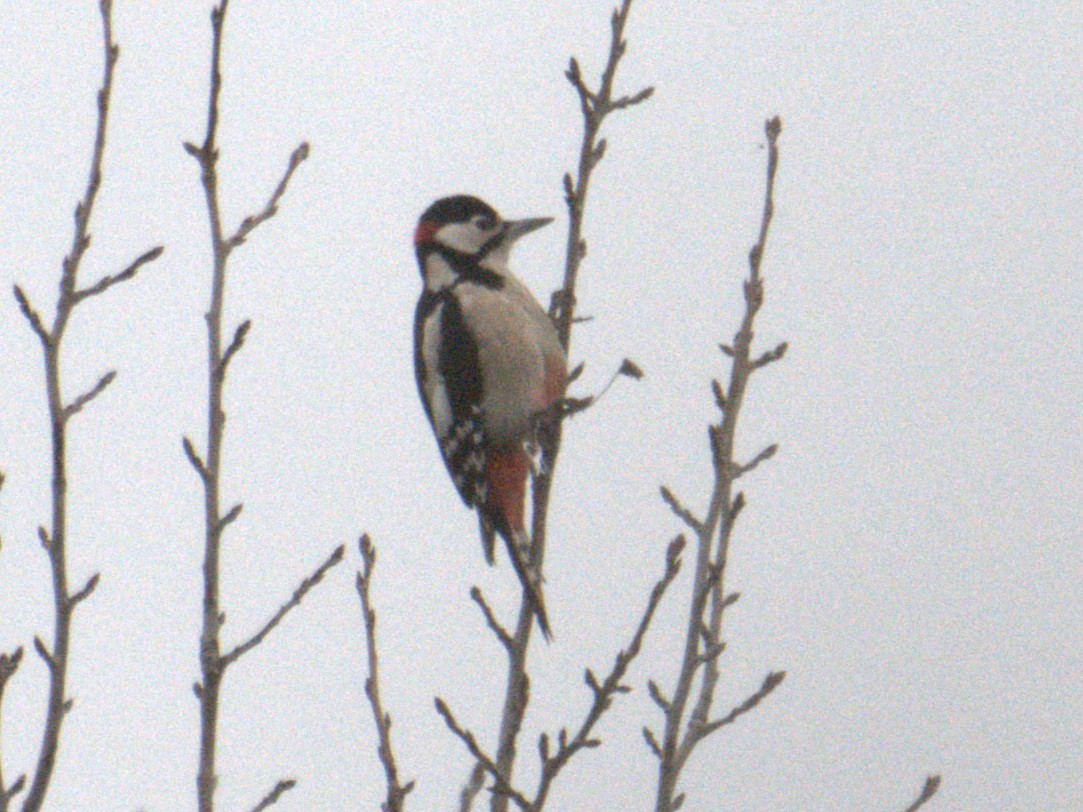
x=506, y=474
x=426, y=229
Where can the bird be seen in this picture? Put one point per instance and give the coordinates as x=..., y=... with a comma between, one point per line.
x=490, y=368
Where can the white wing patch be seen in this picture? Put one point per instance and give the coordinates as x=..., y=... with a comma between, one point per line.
x=436, y=394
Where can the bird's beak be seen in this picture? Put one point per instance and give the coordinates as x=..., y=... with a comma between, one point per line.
x=514, y=229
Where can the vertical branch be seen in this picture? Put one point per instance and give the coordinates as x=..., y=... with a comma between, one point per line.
x=595, y=107
x=213, y=663
x=55, y=539
x=703, y=637
x=210, y=648
x=727, y=470
x=396, y=791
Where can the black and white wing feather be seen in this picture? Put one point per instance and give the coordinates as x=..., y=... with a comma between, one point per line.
x=446, y=365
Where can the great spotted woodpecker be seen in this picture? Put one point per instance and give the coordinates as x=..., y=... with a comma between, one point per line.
x=490, y=368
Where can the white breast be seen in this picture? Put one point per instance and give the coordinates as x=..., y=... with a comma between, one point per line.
x=514, y=337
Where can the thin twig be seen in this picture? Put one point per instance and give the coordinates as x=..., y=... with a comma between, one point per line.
x=396, y=792
x=932, y=784
x=271, y=798
x=770, y=682
x=77, y=405
x=766, y=454
x=194, y=458
x=33, y=317
x=679, y=510
x=497, y=628
x=605, y=691
x=251, y=222
x=230, y=517
x=9, y=664
x=88, y=588
x=106, y=282
x=771, y=356
x=298, y=595
x=239, y=335
x=501, y=787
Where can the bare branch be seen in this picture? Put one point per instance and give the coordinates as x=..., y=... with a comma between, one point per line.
x=770, y=682
x=33, y=317
x=771, y=355
x=680, y=510
x=595, y=105
x=473, y=786
x=586, y=98
x=569, y=406
x=605, y=691
x=766, y=454
x=656, y=694
x=239, y=336
x=194, y=458
x=107, y=282
x=501, y=785
x=44, y=653
x=9, y=664
x=396, y=792
x=86, y=591
x=631, y=101
x=711, y=651
x=271, y=798
x=652, y=742
x=501, y=633
x=772, y=128
x=230, y=517
x=719, y=395
x=77, y=405
x=703, y=637
x=932, y=784
x=7, y=795
x=298, y=595
x=251, y=222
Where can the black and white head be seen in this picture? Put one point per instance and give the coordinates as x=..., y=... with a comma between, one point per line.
x=465, y=229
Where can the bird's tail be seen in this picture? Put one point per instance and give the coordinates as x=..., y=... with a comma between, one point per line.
x=518, y=545
x=488, y=538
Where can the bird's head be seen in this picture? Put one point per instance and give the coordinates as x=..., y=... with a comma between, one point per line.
x=470, y=229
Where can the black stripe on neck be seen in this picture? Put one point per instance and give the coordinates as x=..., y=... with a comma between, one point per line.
x=467, y=267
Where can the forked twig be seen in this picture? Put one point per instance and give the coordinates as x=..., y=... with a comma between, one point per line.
x=54, y=541
x=605, y=691
x=684, y=729
x=213, y=663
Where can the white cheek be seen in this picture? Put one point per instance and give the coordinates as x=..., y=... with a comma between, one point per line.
x=461, y=237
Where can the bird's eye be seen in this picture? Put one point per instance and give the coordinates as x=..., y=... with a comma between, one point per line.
x=484, y=222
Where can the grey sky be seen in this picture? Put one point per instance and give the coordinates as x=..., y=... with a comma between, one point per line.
x=912, y=557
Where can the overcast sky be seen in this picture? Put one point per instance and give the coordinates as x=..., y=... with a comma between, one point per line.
x=912, y=557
